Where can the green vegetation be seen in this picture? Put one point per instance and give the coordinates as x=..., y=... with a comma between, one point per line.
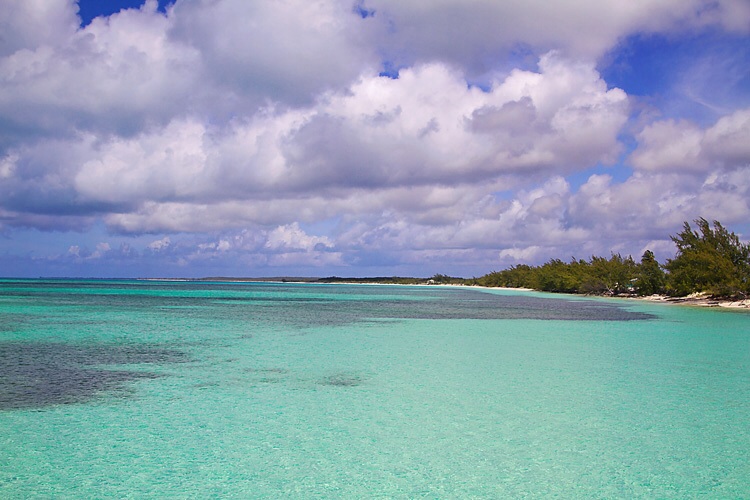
x=598, y=276
x=708, y=260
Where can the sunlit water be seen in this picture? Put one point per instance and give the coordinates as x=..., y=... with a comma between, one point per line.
x=156, y=389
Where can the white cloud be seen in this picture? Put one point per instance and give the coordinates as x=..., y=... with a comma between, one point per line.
x=478, y=33
x=683, y=146
x=101, y=249
x=115, y=76
x=727, y=143
x=669, y=145
x=426, y=129
x=651, y=205
x=82, y=254
x=28, y=24
x=239, y=123
x=287, y=51
x=160, y=244
x=521, y=255
x=170, y=164
x=292, y=238
x=8, y=165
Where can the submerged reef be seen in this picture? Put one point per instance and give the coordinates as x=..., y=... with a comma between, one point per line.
x=36, y=375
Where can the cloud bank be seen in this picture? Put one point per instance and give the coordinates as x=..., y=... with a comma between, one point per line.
x=350, y=138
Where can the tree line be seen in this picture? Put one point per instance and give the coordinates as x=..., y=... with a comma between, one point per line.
x=709, y=259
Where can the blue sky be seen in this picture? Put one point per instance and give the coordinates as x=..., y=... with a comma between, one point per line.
x=225, y=137
x=91, y=9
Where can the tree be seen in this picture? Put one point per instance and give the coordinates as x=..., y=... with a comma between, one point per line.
x=650, y=275
x=709, y=260
x=555, y=276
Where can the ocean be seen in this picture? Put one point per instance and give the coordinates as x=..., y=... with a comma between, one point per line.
x=155, y=389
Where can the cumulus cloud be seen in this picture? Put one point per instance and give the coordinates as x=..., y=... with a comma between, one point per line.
x=82, y=254
x=27, y=24
x=287, y=51
x=291, y=237
x=520, y=255
x=287, y=245
x=223, y=129
x=117, y=75
x=481, y=32
x=671, y=145
x=290, y=245
x=101, y=249
x=425, y=129
x=160, y=244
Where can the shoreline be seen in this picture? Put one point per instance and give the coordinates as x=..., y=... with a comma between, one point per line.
x=698, y=300
x=694, y=300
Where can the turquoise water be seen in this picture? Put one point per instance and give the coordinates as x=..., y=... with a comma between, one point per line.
x=194, y=390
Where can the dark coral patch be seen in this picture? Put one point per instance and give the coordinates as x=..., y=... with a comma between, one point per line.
x=40, y=374
x=343, y=380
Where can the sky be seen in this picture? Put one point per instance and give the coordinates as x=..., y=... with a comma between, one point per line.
x=194, y=138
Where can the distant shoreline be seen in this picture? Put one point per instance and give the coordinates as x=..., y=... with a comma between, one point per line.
x=696, y=299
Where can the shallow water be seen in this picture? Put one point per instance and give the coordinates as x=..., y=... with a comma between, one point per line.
x=123, y=388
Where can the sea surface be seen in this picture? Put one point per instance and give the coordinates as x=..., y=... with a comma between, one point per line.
x=154, y=389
